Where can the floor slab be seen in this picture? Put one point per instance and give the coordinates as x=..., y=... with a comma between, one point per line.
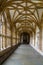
x=24, y=55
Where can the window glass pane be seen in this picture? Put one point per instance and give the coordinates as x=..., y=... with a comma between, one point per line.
x=8, y=42
x=3, y=42
x=8, y=25
x=14, y=34
x=3, y=29
x=14, y=41
x=18, y=41
x=8, y=32
x=0, y=43
x=0, y=28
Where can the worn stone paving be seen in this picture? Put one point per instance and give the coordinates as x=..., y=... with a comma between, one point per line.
x=24, y=55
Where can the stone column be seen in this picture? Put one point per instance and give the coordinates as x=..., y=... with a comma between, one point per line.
x=37, y=38
x=34, y=38
x=16, y=36
x=42, y=37
x=40, y=40
x=11, y=36
x=31, y=39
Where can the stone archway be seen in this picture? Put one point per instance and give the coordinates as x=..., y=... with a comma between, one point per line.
x=25, y=38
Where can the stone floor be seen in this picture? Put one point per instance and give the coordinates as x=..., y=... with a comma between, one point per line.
x=24, y=55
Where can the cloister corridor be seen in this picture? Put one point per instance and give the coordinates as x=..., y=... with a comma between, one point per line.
x=21, y=32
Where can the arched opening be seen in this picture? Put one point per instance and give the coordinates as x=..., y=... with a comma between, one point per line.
x=25, y=38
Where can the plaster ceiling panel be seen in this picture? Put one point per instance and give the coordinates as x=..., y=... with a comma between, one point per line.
x=20, y=29
x=10, y=7
x=16, y=13
x=29, y=4
x=23, y=4
x=11, y=13
x=36, y=14
x=36, y=1
x=18, y=25
x=40, y=11
x=14, y=5
x=17, y=1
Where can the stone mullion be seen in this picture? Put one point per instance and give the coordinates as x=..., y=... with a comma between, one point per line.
x=5, y=34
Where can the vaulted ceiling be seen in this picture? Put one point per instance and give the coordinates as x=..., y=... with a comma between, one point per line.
x=22, y=14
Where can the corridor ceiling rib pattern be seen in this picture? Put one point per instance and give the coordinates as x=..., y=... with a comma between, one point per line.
x=22, y=12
